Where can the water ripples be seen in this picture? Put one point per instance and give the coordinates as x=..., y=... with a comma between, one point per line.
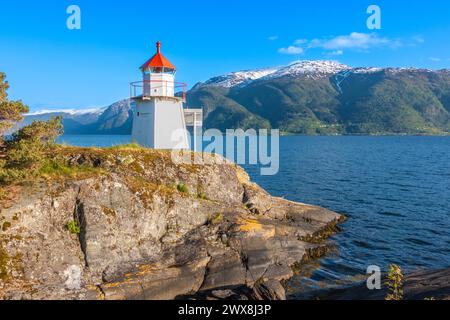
x=395, y=191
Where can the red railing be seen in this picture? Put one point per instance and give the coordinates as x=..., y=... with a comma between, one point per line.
x=146, y=88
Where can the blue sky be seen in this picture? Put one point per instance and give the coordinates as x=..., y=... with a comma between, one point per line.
x=49, y=66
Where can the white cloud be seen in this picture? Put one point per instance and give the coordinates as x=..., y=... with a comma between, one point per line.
x=435, y=59
x=337, y=53
x=273, y=38
x=354, y=40
x=300, y=41
x=418, y=39
x=291, y=50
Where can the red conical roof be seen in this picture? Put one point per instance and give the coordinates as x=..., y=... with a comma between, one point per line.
x=158, y=60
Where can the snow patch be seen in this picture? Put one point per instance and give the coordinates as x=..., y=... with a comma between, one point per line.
x=238, y=78
x=366, y=70
x=298, y=68
x=310, y=68
x=72, y=112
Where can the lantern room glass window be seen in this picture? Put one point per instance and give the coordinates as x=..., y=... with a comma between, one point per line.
x=160, y=70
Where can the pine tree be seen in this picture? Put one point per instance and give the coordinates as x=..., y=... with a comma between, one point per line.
x=10, y=111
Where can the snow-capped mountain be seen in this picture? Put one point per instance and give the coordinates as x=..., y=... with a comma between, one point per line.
x=310, y=69
x=308, y=97
x=327, y=97
x=299, y=68
x=239, y=78
x=71, y=112
x=115, y=119
x=305, y=68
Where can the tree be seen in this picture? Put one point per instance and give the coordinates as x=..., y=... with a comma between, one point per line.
x=26, y=151
x=10, y=111
x=41, y=133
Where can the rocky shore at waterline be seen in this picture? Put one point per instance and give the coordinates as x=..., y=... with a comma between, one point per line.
x=134, y=225
x=421, y=285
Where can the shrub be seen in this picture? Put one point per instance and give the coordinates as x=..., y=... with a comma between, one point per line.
x=28, y=150
x=395, y=283
x=53, y=167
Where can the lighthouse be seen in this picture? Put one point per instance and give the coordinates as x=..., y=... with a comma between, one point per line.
x=157, y=102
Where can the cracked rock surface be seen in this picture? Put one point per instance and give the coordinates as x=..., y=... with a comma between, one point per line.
x=143, y=237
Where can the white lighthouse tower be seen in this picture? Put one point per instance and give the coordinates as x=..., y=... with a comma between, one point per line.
x=158, y=115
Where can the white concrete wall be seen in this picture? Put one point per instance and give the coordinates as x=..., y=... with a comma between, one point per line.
x=155, y=122
x=159, y=85
x=143, y=123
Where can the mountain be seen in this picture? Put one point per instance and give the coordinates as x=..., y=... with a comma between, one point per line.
x=115, y=119
x=305, y=97
x=326, y=97
x=73, y=120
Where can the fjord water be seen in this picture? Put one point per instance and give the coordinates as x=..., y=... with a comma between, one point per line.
x=395, y=192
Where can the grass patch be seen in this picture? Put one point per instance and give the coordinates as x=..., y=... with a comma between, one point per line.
x=132, y=145
x=54, y=168
x=73, y=227
x=182, y=188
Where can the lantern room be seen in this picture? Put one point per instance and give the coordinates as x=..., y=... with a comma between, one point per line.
x=158, y=76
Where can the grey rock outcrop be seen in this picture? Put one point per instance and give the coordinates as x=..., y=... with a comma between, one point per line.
x=142, y=236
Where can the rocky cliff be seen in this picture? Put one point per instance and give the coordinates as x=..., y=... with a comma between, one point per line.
x=150, y=229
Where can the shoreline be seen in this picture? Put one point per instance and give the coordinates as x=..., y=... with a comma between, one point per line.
x=288, y=134
x=420, y=285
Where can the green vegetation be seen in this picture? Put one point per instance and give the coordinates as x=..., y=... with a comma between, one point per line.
x=202, y=196
x=28, y=151
x=31, y=152
x=223, y=112
x=73, y=227
x=55, y=167
x=395, y=283
x=22, y=156
x=216, y=219
x=380, y=103
x=10, y=111
x=131, y=145
x=182, y=188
